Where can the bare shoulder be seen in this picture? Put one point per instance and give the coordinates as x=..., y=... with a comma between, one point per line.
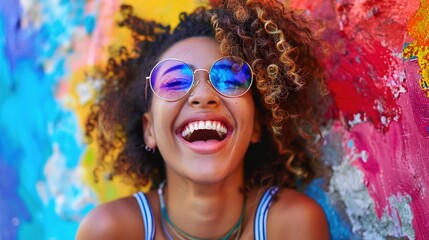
x=119, y=219
x=294, y=215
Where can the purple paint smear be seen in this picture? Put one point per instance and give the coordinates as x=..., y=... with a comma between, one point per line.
x=19, y=42
x=13, y=209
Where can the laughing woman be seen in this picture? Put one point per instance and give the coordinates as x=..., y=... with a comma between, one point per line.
x=216, y=116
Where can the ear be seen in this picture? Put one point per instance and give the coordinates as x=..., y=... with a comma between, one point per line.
x=148, y=133
x=257, y=130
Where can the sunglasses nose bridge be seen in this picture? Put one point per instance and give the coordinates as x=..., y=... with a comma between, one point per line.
x=197, y=80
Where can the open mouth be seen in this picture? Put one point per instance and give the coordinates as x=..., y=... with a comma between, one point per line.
x=204, y=131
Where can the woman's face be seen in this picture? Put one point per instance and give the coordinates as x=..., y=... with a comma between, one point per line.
x=205, y=156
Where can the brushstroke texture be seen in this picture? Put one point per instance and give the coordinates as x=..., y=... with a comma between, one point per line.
x=36, y=43
x=382, y=117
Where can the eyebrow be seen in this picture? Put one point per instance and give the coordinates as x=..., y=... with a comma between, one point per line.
x=174, y=68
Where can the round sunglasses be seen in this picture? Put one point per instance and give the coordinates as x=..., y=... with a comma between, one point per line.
x=171, y=79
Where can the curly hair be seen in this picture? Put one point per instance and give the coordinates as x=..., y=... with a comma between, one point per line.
x=289, y=81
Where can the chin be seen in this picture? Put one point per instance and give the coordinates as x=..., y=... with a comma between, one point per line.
x=207, y=179
x=211, y=176
x=206, y=169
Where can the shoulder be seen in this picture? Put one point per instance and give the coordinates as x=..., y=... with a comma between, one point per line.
x=119, y=219
x=294, y=215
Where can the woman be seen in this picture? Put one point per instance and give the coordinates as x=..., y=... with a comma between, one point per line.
x=216, y=115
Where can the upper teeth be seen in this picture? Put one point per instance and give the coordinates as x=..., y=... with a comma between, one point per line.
x=208, y=125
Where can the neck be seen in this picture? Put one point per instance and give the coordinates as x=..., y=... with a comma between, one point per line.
x=206, y=210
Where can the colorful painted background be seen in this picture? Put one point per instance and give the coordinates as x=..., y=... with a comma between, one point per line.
x=376, y=148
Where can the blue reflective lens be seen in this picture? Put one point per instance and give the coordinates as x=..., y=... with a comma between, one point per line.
x=231, y=78
x=171, y=79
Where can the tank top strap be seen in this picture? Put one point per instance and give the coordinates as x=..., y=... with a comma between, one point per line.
x=147, y=215
x=260, y=224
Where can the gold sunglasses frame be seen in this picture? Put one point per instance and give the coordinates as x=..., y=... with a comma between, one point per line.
x=195, y=82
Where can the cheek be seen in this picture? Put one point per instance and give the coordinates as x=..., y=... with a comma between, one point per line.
x=164, y=114
x=247, y=112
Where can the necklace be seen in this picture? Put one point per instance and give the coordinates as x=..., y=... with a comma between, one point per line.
x=185, y=236
x=177, y=234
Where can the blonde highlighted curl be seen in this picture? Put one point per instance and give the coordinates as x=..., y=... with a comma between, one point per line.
x=289, y=83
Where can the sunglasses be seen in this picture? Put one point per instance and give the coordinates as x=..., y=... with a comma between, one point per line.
x=171, y=79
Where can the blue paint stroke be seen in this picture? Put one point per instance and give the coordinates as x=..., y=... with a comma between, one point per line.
x=32, y=121
x=12, y=207
x=338, y=226
x=90, y=24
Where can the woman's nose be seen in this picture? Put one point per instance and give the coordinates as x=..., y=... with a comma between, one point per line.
x=203, y=94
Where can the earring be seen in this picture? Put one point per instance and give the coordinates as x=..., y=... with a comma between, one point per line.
x=149, y=149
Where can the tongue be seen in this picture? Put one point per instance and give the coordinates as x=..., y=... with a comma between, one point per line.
x=204, y=135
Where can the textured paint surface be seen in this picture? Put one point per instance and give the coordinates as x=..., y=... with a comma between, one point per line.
x=381, y=173
x=376, y=148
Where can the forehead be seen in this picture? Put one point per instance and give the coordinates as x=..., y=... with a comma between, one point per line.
x=198, y=51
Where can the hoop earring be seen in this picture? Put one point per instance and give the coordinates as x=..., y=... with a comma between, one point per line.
x=149, y=149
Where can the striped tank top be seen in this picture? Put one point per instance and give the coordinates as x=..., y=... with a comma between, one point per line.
x=260, y=221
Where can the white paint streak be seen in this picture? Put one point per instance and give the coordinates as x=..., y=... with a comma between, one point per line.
x=384, y=120
x=357, y=119
x=65, y=186
x=402, y=215
x=32, y=15
x=85, y=92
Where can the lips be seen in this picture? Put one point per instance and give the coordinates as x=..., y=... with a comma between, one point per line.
x=204, y=131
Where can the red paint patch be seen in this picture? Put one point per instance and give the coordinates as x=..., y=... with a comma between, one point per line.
x=363, y=45
x=384, y=21
x=363, y=80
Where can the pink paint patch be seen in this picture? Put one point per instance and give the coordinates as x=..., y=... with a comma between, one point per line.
x=62, y=89
x=92, y=50
x=80, y=59
x=396, y=164
x=103, y=32
x=309, y=5
x=418, y=100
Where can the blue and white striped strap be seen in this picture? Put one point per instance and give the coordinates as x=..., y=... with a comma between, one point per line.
x=148, y=220
x=262, y=213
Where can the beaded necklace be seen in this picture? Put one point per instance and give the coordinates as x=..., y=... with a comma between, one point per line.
x=185, y=236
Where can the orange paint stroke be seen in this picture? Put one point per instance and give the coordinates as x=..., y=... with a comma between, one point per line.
x=418, y=25
x=418, y=29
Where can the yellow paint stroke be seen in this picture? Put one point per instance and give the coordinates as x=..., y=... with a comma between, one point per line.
x=164, y=11
x=418, y=27
x=91, y=52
